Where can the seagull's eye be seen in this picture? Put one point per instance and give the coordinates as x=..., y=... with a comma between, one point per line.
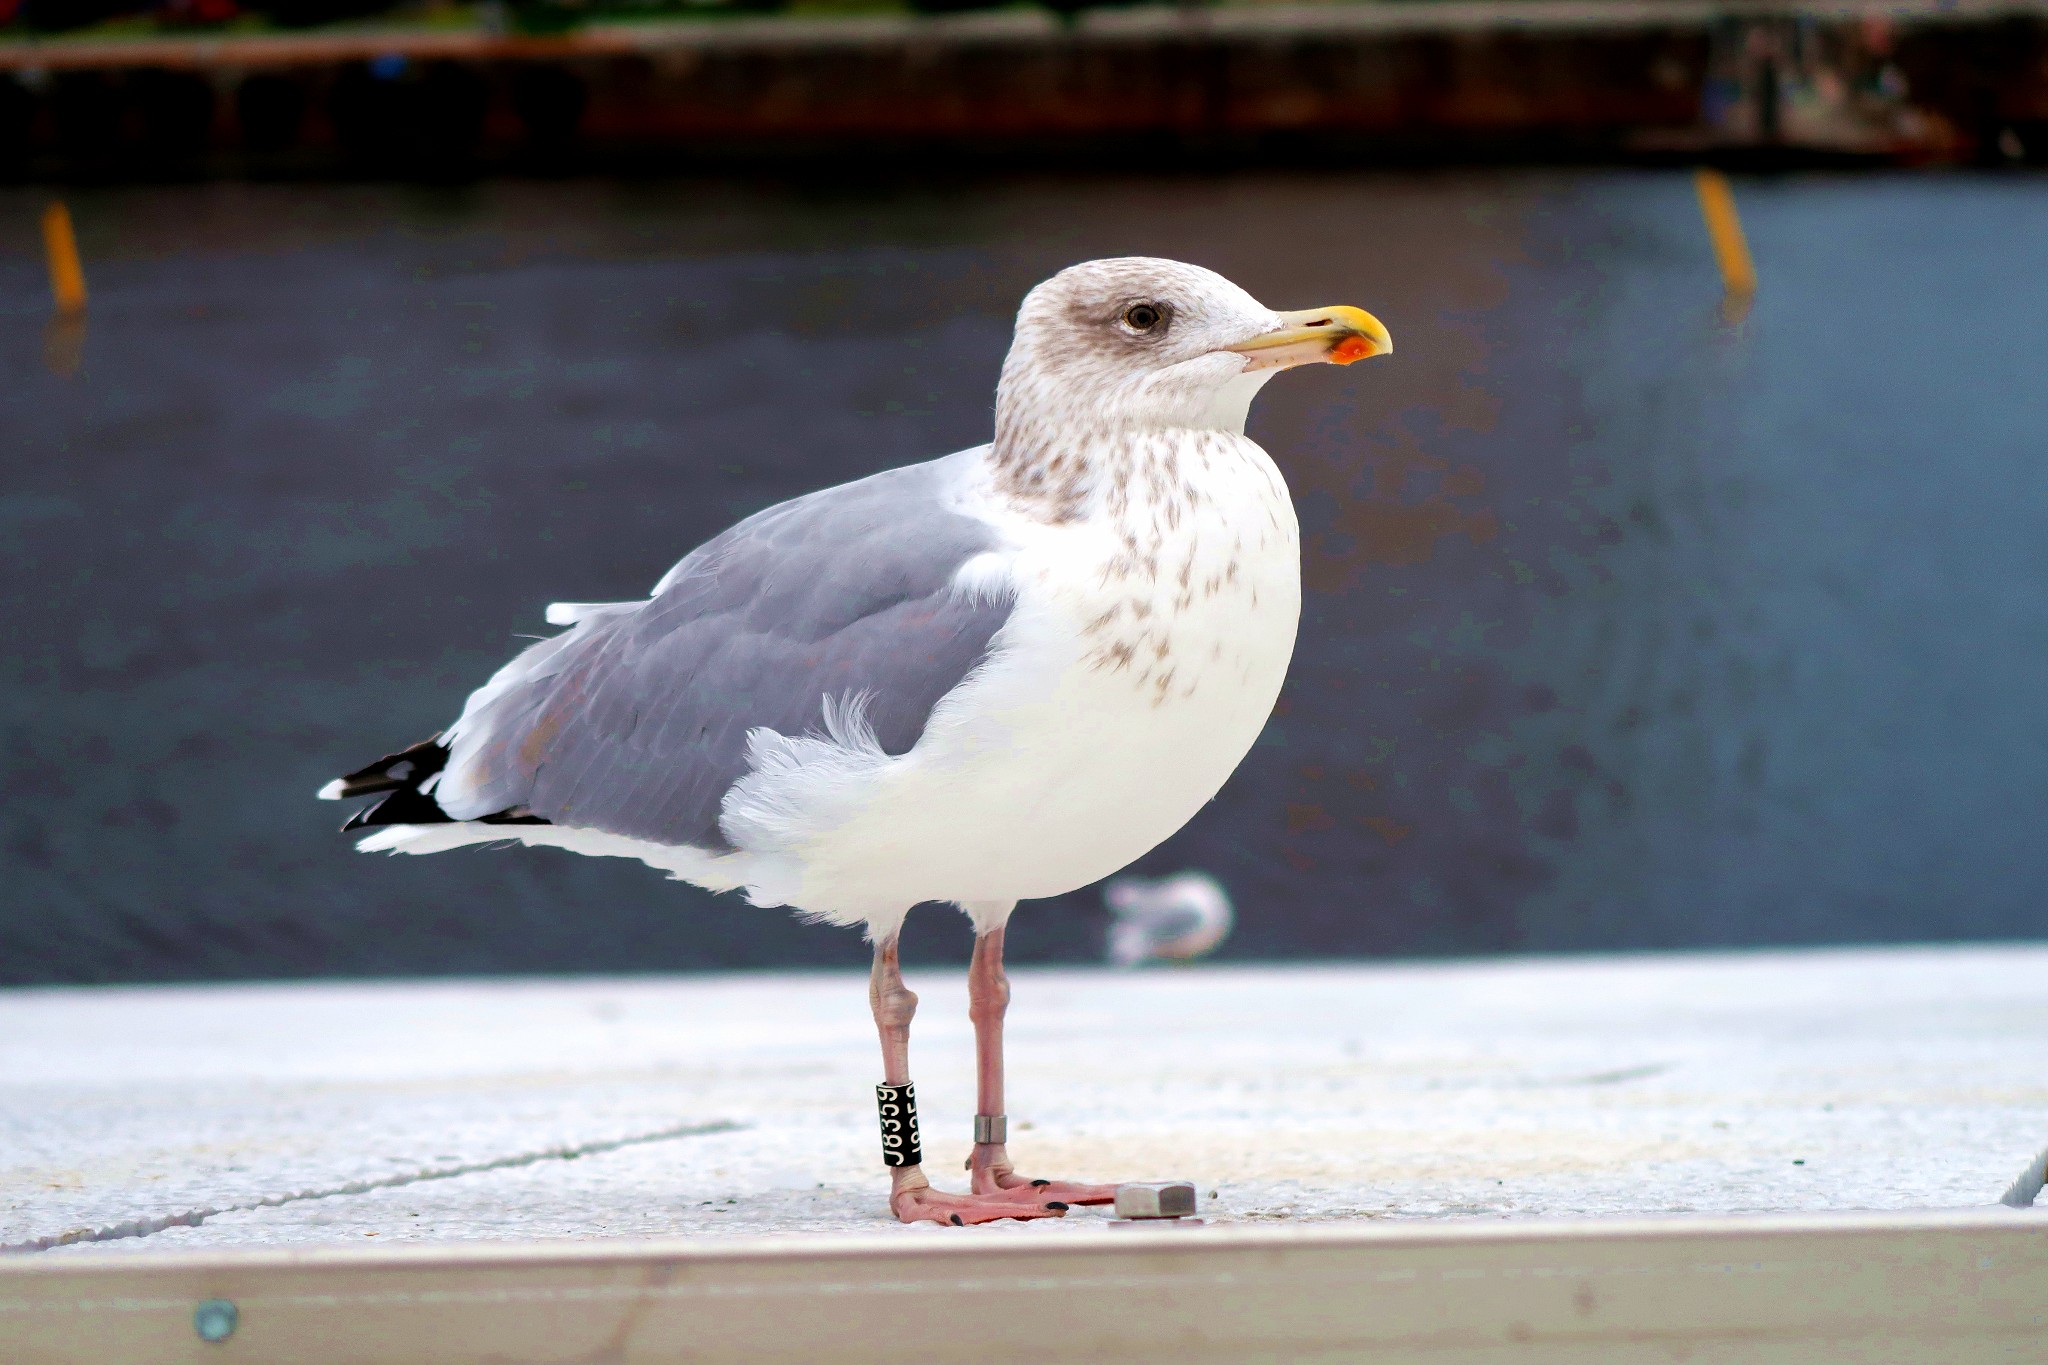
x=1143, y=317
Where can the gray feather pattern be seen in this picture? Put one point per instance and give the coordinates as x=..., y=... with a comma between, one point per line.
x=635, y=720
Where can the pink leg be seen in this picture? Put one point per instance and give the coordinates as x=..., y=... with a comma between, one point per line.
x=911, y=1197
x=988, y=1000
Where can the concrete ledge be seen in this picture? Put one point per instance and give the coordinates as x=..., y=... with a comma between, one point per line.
x=147, y=1121
x=1957, y=1288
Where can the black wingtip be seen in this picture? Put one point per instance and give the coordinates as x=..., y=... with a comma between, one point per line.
x=397, y=778
x=396, y=772
x=402, y=807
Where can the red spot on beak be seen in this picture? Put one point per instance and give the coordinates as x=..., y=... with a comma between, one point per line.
x=1351, y=348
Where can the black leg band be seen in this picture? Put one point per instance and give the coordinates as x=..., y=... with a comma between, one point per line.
x=900, y=1146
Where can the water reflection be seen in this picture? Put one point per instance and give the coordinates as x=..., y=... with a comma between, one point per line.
x=1623, y=627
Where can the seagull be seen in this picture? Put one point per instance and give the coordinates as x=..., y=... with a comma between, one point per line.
x=993, y=677
x=1175, y=919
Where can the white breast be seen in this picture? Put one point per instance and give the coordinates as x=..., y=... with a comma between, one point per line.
x=1144, y=656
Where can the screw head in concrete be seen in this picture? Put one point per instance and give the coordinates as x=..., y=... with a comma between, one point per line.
x=1159, y=1199
x=215, y=1319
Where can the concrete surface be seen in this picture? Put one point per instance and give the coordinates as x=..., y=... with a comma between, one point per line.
x=145, y=1119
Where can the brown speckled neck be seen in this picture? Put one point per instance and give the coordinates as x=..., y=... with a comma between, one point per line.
x=1051, y=478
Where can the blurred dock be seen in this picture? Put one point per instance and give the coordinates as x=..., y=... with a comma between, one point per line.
x=1874, y=80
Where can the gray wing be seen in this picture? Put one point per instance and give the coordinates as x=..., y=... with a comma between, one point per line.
x=635, y=721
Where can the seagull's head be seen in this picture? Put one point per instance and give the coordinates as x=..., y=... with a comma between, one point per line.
x=1139, y=341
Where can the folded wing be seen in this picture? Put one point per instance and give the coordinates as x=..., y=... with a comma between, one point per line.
x=635, y=720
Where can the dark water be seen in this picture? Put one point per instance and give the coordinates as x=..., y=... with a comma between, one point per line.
x=1625, y=627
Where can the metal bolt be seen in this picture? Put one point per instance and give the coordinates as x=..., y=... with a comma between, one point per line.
x=1166, y=1199
x=215, y=1319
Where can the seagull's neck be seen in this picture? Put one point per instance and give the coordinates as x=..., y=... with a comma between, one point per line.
x=1058, y=464
x=1054, y=473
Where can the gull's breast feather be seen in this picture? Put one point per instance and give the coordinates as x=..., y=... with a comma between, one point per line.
x=1122, y=693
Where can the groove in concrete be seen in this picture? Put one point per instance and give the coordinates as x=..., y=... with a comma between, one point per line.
x=192, y=1218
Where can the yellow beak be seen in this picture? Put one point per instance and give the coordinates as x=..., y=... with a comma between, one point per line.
x=1337, y=335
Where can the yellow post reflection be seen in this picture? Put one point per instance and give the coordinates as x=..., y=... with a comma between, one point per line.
x=64, y=338
x=1731, y=248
